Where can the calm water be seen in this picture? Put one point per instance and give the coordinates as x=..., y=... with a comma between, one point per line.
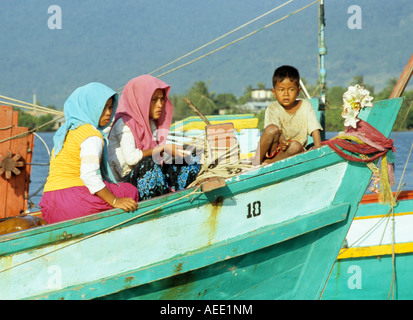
x=403, y=144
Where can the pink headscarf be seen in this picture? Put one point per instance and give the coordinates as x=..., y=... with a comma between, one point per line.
x=134, y=106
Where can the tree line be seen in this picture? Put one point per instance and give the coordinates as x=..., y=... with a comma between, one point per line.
x=334, y=121
x=210, y=103
x=31, y=122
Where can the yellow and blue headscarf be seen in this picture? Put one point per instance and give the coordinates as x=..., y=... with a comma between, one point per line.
x=85, y=106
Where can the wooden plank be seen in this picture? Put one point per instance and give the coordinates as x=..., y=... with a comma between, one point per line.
x=403, y=80
x=374, y=198
x=6, y=120
x=28, y=168
x=14, y=190
x=383, y=112
x=221, y=140
x=212, y=183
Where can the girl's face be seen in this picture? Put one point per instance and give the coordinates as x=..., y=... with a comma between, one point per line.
x=157, y=104
x=106, y=113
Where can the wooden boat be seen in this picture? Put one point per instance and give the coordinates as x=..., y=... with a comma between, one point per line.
x=272, y=232
x=240, y=121
x=193, y=128
x=377, y=258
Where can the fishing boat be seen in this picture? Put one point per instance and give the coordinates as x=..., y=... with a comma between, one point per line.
x=375, y=262
x=271, y=232
x=267, y=232
x=240, y=122
x=245, y=131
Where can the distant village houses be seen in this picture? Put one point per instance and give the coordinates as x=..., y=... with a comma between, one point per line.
x=260, y=99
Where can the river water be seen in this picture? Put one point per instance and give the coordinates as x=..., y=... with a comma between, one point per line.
x=403, y=143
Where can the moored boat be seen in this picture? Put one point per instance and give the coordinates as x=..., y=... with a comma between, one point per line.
x=376, y=261
x=192, y=129
x=270, y=232
x=240, y=122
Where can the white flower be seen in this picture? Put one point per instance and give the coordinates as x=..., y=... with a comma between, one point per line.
x=350, y=117
x=355, y=99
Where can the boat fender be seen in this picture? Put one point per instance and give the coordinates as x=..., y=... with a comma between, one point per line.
x=19, y=223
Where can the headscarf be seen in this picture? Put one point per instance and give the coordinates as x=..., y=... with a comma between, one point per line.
x=134, y=106
x=85, y=106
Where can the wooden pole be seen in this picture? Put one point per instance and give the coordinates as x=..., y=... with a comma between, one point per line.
x=403, y=80
x=196, y=110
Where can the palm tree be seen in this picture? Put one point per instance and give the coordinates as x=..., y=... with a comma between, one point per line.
x=201, y=97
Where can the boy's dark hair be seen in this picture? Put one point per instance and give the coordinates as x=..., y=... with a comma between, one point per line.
x=286, y=71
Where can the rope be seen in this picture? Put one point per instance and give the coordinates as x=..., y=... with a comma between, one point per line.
x=220, y=161
x=215, y=40
x=230, y=43
x=393, y=259
x=24, y=134
x=403, y=121
x=30, y=106
x=237, y=40
x=223, y=36
x=44, y=182
x=405, y=166
x=7, y=128
x=398, y=190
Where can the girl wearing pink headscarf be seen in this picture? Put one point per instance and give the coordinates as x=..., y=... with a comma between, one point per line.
x=137, y=141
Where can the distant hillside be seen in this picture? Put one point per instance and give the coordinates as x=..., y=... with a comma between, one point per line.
x=113, y=41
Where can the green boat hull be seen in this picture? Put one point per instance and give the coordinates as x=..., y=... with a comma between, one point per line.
x=271, y=233
x=379, y=266
x=371, y=278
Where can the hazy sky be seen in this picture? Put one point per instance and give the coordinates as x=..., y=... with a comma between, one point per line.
x=52, y=47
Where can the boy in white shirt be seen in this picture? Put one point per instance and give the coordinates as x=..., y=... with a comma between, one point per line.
x=288, y=121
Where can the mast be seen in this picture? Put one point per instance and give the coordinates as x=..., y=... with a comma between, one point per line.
x=322, y=51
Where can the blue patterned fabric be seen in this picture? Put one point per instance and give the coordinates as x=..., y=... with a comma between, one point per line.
x=153, y=179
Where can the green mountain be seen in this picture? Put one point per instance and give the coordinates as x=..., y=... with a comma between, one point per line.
x=113, y=41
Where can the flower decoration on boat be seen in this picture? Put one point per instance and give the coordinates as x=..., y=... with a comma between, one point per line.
x=355, y=99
